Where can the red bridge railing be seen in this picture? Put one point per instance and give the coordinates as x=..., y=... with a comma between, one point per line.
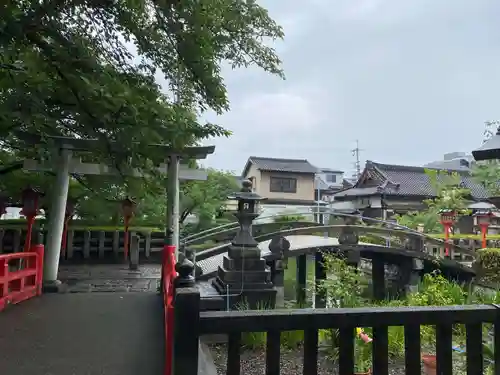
x=21, y=276
x=168, y=277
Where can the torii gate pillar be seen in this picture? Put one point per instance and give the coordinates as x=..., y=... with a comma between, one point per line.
x=173, y=203
x=56, y=221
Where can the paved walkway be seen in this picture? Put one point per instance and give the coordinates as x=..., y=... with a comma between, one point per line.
x=83, y=334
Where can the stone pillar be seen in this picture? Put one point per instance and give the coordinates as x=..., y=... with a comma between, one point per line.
x=278, y=280
x=134, y=252
x=319, y=275
x=300, y=286
x=378, y=278
x=413, y=271
x=56, y=222
x=244, y=275
x=279, y=247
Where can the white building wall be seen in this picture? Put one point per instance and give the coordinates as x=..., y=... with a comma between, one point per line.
x=269, y=211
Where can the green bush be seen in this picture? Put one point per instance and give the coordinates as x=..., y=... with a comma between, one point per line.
x=487, y=265
x=373, y=240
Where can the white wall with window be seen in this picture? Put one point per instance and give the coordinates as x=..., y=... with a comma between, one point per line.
x=331, y=177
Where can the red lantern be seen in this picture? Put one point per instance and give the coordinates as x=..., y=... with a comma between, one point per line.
x=70, y=211
x=448, y=218
x=483, y=220
x=30, y=201
x=128, y=211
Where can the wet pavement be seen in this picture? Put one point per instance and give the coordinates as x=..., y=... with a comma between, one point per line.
x=109, y=278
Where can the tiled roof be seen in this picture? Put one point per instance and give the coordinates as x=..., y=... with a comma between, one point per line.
x=358, y=192
x=281, y=165
x=408, y=181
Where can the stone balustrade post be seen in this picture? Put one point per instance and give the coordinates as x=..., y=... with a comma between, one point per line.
x=134, y=252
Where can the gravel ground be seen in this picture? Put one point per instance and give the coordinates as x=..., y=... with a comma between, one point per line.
x=253, y=362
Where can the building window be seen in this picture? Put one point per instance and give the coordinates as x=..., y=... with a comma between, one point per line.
x=330, y=177
x=283, y=185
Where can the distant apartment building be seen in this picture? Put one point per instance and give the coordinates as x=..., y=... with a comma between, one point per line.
x=453, y=161
x=327, y=182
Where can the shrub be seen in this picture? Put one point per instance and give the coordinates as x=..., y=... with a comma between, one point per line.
x=258, y=340
x=488, y=264
x=344, y=285
x=376, y=240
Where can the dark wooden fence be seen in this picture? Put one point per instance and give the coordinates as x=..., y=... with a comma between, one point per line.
x=190, y=325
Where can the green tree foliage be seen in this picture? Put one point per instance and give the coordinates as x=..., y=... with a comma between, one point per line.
x=67, y=69
x=88, y=69
x=449, y=196
x=207, y=199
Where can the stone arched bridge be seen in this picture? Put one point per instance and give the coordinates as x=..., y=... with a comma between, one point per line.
x=305, y=240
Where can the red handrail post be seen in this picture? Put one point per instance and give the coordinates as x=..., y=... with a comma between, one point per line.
x=40, y=251
x=4, y=283
x=167, y=285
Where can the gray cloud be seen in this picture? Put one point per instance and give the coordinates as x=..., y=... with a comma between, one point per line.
x=410, y=79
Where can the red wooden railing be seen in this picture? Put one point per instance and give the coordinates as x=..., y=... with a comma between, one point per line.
x=23, y=282
x=168, y=277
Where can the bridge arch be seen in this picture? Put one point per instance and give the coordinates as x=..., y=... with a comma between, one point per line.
x=209, y=260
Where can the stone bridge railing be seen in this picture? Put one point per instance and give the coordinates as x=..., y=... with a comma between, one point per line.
x=408, y=240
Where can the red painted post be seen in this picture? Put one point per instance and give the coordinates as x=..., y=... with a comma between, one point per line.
x=125, y=239
x=169, y=274
x=446, y=238
x=64, y=238
x=27, y=242
x=39, y=250
x=4, y=284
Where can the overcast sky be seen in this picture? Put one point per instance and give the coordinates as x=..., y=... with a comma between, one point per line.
x=410, y=79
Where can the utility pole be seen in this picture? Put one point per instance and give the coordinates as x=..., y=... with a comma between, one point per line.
x=355, y=152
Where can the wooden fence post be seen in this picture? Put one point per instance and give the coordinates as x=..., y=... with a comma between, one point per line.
x=186, y=321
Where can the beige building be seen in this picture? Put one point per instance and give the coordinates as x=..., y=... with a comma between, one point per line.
x=287, y=184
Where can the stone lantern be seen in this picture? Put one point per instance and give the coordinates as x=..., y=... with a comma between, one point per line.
x=448, y=218
x=244, y=275
x=30, y=201
x=128, y=210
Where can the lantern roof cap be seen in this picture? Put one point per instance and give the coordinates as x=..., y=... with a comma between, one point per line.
x=246, y=193
x=484, y=212
x=482, y=206
x=490, y=149
x=446, y=210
